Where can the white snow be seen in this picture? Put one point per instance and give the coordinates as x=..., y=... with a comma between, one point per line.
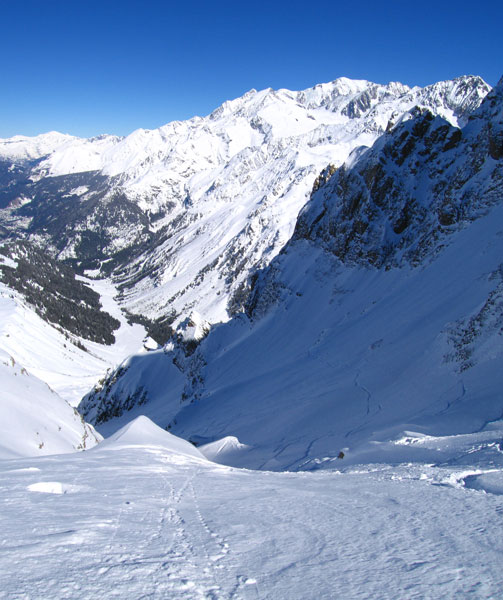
x=55, y=487
x=490, y=482
x=226, y=451
x=194, y=328
x=29, y=148
x=236, y=179
x=141, y=521
x=347, y=380
x=143, y=432
x=351, y=360
x=8, y=262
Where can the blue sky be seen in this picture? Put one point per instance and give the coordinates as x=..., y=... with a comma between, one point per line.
x=106, y=66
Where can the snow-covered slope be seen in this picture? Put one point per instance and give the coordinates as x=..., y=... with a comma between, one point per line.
x=146, y=522
x=69, y=364
x=63, y=328
x=54, y=335
x=182, y=214
x=379, y=323
x=375, y=337
x=69, y=154
x=179, y=217
x=21, y=147
x=34, y=420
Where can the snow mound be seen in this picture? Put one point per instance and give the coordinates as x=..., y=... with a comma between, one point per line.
x=143, y=432
x=225, y=450
x=490, y=482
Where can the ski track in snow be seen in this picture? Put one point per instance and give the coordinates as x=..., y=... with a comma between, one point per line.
x=146, y=523
x=170, y=545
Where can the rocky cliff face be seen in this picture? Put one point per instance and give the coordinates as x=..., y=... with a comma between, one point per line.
x=400, y=201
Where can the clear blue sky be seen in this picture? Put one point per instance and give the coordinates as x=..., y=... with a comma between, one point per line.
x=109, y=66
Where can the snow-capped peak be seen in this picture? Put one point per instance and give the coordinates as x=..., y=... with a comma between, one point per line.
x=21, y=147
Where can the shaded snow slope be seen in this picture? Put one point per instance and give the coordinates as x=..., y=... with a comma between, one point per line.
x=144, y=522
x=34, y=420
x=348, y=361
x=344, y=354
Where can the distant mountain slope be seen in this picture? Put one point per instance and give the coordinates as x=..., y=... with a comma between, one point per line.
x=68, y=362
x=379, y=322
x=181, y=215
x=52, y=289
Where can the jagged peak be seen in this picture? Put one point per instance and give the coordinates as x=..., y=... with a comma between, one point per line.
x=347, y=85
x=472, y=80
x=491, y=106
x=497, y=90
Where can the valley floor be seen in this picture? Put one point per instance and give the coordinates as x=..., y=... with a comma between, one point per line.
x=142, y=521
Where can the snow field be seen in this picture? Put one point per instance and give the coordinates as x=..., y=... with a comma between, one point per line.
x=355, y=358
x=147, y=522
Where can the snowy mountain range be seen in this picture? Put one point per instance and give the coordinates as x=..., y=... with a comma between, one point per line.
x=180, y=216
x=184, y=217
x=308, y=285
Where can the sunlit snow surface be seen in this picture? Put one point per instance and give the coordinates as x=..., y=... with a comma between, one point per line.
x=412, y=509
x=133, y=520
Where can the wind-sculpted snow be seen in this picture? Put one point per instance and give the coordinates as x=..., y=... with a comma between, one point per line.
x=143, y=521
x=143, y=432
x=339, y=355
x=181, y=215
